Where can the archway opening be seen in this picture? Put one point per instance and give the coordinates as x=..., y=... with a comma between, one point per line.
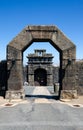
x=15, y=49
x=40, y=77
x=42, y=45
x=36, y=63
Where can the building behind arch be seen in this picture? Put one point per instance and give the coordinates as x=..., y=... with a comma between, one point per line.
x=40, y=68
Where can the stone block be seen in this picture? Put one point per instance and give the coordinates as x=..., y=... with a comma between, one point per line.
x=18, y=94
x=68, y=94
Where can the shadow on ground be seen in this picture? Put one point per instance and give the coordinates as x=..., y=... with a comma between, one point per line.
x=43, y=96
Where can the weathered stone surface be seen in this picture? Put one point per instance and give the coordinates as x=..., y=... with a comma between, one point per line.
x=68, y=94
x=55, y=74
x=24, y=39
x=19, y=94
x=79, y=76
x=46, y=33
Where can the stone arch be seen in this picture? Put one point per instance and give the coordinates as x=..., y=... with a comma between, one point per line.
x=24, y=39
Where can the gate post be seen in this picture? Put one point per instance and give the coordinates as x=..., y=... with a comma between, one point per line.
x=69, y=89
x=14, y=73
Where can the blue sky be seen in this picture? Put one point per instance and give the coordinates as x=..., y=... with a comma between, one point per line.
x=67, y=15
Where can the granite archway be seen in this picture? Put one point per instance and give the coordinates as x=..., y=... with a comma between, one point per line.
x=23, y=40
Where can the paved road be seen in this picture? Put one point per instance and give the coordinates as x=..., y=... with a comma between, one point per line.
x=40, y=113
x=41, y=91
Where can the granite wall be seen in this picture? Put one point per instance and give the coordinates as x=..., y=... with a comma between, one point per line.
x=79, y=76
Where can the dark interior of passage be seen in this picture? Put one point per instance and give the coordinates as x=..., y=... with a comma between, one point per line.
x=40, y=77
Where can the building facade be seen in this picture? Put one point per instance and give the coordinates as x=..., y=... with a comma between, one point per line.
x=40, y=69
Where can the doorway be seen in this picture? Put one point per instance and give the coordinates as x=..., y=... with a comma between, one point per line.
x=40, y=77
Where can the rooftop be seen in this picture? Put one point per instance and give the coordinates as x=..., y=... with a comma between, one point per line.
x=39, y=53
